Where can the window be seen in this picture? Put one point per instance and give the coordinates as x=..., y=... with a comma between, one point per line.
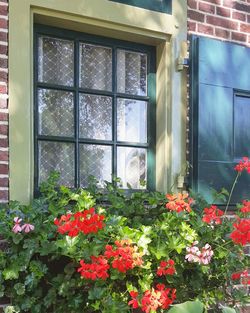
x=94, y=109
x=164, y=6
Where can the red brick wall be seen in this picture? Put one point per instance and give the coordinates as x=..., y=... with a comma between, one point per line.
x=4, y=153
x=223, y=19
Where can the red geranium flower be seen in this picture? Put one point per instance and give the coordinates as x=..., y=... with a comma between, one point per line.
x=241, y=234
x=166, y=268
x=246, y=206
x=212, y=215
x=179, y=202
x=244, y=164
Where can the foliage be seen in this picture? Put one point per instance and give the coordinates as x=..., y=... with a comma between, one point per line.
x=136, y=249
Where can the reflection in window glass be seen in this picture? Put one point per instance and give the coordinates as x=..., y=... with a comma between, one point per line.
x=132, y=120
x=95, y=117
x=131, y=73
x=241, y=126
x=56, y=61
x=95, y=160
x=132, y=166
x=95, y=67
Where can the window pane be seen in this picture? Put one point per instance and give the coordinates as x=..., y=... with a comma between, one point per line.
x=56, y=61
x=132, y=73
x=241, y=127
x=56, y=112
x=132, y=120
x=95, y=67
x=132, y=166
x=95, y=117
x=57, y=156
x=95, y=160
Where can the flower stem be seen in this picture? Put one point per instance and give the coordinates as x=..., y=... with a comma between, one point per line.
x=231, y=192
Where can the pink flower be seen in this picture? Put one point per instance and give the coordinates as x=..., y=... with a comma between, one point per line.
x=202, y=257
x=17, y=228
x=28, y=227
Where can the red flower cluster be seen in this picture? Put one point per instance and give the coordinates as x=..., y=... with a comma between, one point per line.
x=166, y=268
x=246, y=206
x=212, y=215
x=161, y=297
x=241, y=234
x=125, y=256
x=86, y=222
x=244, y=276
x=95, y=270
x=179, y=202
x=244, y=164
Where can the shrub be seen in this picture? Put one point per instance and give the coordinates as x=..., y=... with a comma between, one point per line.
x=92, y=251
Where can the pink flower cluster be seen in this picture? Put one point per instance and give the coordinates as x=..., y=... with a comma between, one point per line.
x=196, y=255
x=18, y=228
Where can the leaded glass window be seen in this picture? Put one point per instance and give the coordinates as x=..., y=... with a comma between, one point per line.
x=94, y=109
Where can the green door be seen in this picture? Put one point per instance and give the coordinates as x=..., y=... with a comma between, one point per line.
x=220, y=115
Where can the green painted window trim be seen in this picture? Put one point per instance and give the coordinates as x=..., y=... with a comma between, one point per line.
x=163, y=6
x=151, y=97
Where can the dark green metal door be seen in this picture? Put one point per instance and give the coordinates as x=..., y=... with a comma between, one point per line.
x=220, y=109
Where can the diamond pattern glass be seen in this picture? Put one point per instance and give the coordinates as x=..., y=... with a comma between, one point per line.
x=95, y=160
x=95, y=117
x=132, y=166
x=57, y=156
x=56, y=61
x=56, y=113
x=132, y=120
x=95, y=67
x=131, y=72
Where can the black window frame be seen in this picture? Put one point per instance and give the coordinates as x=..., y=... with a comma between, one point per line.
x=77, y=37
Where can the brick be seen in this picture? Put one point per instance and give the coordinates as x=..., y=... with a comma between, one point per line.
x=223, y=33
x=245, y=28
x=239, y=16
x=4, y=182
x=222, y=22
x=3, y=63
x=242, y=7
x=191, y=26
x=3, y=144
x=3, y=23
x=4, y=116
x=3, y=49
x=4, y=169
x=223, y=11
x=3, y=10
x=248, y=18
x=4, y=155
x=213, y=1
x=229, y=3
x=3, y=76
x=206, y=7
x=3, y=89
x=3, y=36
x=197, y=16
x=3, y=129
x=192, y=4
x=3, y=103
x=205, y=29
x=4, y=195
x=239, y=37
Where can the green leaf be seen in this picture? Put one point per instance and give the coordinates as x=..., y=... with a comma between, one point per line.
x=96, y=293
x=228, y=310
x=188, y=307
x=20, y=289
x=11, y=273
